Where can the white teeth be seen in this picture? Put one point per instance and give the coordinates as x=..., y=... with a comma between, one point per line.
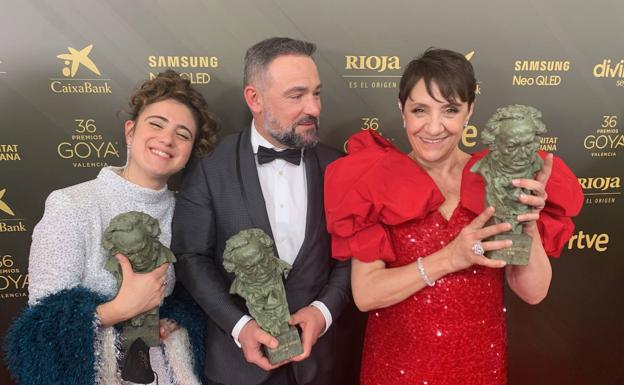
x=161, y=153
x=432, y=141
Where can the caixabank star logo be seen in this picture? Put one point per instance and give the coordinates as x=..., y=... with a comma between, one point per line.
x=9, y=222
x=77, y=62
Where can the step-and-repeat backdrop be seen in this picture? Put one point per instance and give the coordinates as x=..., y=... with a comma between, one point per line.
x=67, y=67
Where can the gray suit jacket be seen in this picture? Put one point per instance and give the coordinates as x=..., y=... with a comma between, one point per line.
x=220, y=196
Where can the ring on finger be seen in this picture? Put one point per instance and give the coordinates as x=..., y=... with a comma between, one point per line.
x=478, y=249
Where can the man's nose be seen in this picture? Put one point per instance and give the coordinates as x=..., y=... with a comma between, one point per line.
x=313, y=106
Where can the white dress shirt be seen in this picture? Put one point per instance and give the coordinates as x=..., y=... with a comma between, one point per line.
x=285, y=193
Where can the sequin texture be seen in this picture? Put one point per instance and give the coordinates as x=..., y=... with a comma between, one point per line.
x=450, y=334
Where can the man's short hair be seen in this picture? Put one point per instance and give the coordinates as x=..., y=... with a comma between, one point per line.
x=260, y=55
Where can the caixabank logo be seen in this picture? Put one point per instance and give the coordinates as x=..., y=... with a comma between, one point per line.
x=539, y=73
x=197, y=69
x=80, y=74
x=601, y=190
x=87, y=147
x=9, y=221
x=610, y=69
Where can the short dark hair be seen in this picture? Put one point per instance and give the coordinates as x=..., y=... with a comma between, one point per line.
x=260, y=55
x=451, y=72
x=170, y=85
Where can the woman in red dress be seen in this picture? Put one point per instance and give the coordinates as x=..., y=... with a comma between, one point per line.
x=415, y=226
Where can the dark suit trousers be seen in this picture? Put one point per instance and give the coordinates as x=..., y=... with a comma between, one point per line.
x=285, y=376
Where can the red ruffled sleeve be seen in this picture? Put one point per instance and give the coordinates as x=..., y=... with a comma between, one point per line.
x=375, y=185
x=565, y=199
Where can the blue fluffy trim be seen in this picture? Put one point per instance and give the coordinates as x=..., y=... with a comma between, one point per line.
x=52, y=343
x=181, y=307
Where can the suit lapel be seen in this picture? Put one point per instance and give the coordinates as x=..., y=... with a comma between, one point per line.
x=314, y=213
x=247, y=175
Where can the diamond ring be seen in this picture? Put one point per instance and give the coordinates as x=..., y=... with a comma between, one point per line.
x=477, y=248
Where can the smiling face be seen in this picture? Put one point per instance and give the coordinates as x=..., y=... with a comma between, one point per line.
x=286, y=102
x=433, y=127
x=161, y=141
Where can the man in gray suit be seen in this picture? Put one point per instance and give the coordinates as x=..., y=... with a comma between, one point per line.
x=269, y=176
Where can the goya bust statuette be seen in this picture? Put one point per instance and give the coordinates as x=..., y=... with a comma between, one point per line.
x=513, y=137
x=258, y=279
x=135, y=234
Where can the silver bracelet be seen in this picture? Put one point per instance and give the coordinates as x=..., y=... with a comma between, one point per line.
x=423, y=275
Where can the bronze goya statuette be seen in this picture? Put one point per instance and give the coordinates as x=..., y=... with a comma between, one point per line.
x=135, y=234
x=513, y=137
x=258, y=279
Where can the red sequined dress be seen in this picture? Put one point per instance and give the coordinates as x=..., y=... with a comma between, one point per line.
x=380, y=205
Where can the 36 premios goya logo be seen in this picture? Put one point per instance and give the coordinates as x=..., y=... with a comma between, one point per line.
x=80, y=74
x=607, y=140
x=197, y=69
x=13, y=278
x=87, y=147
x=10, y=222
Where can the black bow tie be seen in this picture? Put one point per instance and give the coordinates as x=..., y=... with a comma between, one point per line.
x=266, y=155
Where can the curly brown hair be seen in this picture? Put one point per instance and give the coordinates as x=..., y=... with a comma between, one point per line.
x=170, y=85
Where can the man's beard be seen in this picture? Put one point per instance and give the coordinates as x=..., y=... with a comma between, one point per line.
x=289, y=137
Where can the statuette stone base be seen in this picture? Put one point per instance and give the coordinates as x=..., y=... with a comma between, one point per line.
x=517, y=254
x=289, y=346
x=148, y=330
